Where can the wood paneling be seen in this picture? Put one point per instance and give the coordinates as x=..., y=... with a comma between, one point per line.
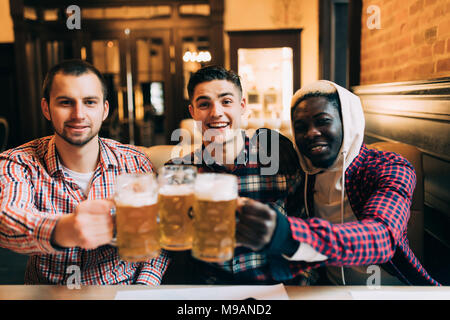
x=417, y=113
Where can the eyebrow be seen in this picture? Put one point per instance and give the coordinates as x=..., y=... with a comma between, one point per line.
x=322, y=113
x=209, y=98
x=314, y=116
x=70, y=98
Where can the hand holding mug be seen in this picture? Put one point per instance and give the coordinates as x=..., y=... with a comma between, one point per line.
x=256, y=225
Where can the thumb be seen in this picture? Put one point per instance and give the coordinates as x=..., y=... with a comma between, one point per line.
x=241, y=202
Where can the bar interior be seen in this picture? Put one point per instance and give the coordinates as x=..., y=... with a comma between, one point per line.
x=393, y=55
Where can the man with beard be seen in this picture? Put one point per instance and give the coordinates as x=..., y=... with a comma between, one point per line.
x=55, y=190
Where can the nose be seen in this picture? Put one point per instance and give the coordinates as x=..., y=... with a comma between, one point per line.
x=78, y=110
x=312, y=132
x=217, y=110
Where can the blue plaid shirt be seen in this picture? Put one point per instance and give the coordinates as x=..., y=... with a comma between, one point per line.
x=274, y=190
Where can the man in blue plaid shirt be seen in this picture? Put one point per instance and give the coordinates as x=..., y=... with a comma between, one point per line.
x=267, y=168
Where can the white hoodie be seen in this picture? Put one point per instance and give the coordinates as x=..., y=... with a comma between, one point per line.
x=330, y=200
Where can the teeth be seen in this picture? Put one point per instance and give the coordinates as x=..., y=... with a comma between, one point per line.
x=218, y=125
x=318, y=148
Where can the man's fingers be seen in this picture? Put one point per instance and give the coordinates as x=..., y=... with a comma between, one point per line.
x=253, y=237
x=93, y=238
x=250, y=207
x=254, y=225
x=95, y=206
x=245, y=240
x=248, y=230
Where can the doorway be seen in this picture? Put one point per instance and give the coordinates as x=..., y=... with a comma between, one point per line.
x=268, y=63
x=136, y=68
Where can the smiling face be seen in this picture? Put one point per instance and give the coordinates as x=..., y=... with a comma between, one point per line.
x=219, y=105
x=318, y=130
x=76, y=108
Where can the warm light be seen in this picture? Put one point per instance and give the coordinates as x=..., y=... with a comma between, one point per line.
x=83, y=53
x=139, y=102
x=202, y=56
x=110, y=44
x=120, y=105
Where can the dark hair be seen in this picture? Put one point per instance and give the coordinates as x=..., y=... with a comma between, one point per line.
x=74, y=67
x=210, y=73
x=333, y=98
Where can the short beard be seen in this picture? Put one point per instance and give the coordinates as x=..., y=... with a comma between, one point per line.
x=75, y=143
x=69, y=141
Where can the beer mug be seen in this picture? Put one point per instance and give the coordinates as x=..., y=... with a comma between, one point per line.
x=214, y=217
x=136, y=200
x=176, y=198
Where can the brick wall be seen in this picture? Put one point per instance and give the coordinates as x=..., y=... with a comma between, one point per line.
x=413, y=42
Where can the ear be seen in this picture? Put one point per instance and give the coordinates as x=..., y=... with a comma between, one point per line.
x=105, y=110
x=243, y=105
x=191, y=111
x=45, y=109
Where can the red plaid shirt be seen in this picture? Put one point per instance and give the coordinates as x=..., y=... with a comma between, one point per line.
x=35, y=192
x=379, y=187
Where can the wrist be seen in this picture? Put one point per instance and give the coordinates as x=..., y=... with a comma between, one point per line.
x=63, y=235
x=282, y=241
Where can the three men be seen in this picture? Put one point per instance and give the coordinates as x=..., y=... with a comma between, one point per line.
x=55, y=190
x=355, y=200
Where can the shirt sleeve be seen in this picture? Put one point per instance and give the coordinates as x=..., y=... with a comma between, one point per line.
x=23, y=228
x=373, y=238
x=152, y=271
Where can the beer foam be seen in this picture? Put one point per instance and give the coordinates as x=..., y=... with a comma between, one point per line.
x=215, y=187
x=136, y=199
x=136, y=190
x=176, y=190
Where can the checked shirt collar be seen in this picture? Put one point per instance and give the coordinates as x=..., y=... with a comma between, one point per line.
x=53, y=164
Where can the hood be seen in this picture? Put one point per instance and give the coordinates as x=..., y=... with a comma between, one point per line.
x=352, y=123
x=330, y=201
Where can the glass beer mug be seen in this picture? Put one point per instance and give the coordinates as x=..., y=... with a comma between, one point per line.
x=214, y=217
x=136, y=200
x=176, y=198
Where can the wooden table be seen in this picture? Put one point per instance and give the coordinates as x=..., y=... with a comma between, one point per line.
x=50, y=292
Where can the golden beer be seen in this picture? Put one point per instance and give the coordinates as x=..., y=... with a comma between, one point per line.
x=136, y=200
x=137, y=232
x=176, y=198
x=214, y=230
x=214, y=217
x=175, y=220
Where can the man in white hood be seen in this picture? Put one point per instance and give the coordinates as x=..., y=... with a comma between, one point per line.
x=350, y=223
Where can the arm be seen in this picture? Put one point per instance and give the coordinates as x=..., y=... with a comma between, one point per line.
x=152, y=271
x=25, y=229
x=373, y=238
